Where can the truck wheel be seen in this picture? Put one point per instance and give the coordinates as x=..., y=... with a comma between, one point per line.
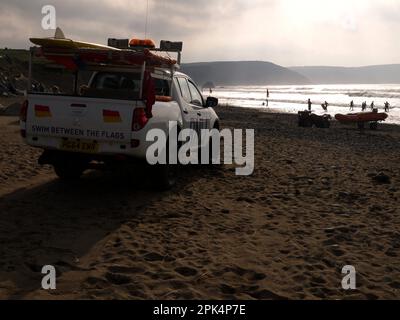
x=210, y=149
x=164, y=177
x=68, y=170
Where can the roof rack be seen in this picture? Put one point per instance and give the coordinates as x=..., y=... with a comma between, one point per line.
x=165, y=46
x=74, y=59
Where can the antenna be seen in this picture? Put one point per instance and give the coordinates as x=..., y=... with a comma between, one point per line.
x=147, y=20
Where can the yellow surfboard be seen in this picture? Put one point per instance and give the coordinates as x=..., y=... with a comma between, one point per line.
x=59, y=41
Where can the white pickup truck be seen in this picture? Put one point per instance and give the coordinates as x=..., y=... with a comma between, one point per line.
x=107, y=121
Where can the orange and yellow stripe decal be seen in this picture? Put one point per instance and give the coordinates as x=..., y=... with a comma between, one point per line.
x=111, y=116
x=42, y=111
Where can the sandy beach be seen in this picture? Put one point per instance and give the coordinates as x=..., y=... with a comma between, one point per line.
x=319, y=199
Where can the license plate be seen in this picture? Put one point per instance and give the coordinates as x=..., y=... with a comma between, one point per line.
x=79, y=146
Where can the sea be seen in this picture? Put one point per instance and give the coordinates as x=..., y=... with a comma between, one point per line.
x=291, y=99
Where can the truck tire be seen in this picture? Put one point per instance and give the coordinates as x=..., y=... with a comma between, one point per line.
x=68, y=169
x=164, y=177
x=210, y=149
x=326, y=124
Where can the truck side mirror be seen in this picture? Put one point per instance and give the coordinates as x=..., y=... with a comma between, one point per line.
x=211, y=102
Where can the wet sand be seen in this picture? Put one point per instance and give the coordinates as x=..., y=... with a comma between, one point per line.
x=312, y=206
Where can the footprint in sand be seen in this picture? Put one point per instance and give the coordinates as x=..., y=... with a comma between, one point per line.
x=117, y=278
x=266, y=295
x=94, y=281
x=121, y=269
x=225, y=289
x=153, y=256
x=186, y=271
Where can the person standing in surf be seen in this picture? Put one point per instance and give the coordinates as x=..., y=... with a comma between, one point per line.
x=325, y=106
x=364, y=106
x=372, y=106
x=387, y=106
x=309, y=104
x=352, y=105
x=267, y=97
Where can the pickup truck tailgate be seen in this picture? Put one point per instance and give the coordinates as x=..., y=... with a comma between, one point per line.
x=65, y=117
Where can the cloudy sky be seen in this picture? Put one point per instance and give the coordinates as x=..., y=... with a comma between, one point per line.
x=286, y=32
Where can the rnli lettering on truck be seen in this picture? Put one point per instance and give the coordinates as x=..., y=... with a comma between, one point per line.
x=59, y=131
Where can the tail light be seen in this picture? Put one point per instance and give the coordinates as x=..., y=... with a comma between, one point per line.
x=139, y=119
x=24, y=111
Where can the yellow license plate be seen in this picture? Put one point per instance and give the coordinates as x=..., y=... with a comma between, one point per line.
x=79, y=146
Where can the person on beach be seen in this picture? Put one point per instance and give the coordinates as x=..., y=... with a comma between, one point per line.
x=372, y=106
x=387, y=106
x=364, y=106
x=325, y=106
x=267, y=97
x=352, y=105
x=309, y=104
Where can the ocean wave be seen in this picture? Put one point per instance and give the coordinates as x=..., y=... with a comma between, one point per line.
x=256, y=101
x=390, y=94
x=373, y=94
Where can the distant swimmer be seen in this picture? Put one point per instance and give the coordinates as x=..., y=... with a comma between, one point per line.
x=364, y=106
x=309, y=104
x=352, y=105
x=325, y=106
x=387, y=106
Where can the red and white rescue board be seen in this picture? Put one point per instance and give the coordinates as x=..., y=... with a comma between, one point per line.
x=361, y=117
x=59, y=41
x=72, y=53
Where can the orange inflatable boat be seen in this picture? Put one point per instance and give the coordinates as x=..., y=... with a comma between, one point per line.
x=361, y=117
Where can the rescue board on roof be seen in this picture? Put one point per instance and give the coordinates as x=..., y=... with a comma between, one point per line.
x=59, y=41
x=76, y=55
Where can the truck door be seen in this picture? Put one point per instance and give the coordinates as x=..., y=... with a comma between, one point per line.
x=190, y=113
x=199, y=106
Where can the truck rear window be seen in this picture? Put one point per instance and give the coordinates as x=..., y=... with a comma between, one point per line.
x=162, y=87
x=124, y=86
